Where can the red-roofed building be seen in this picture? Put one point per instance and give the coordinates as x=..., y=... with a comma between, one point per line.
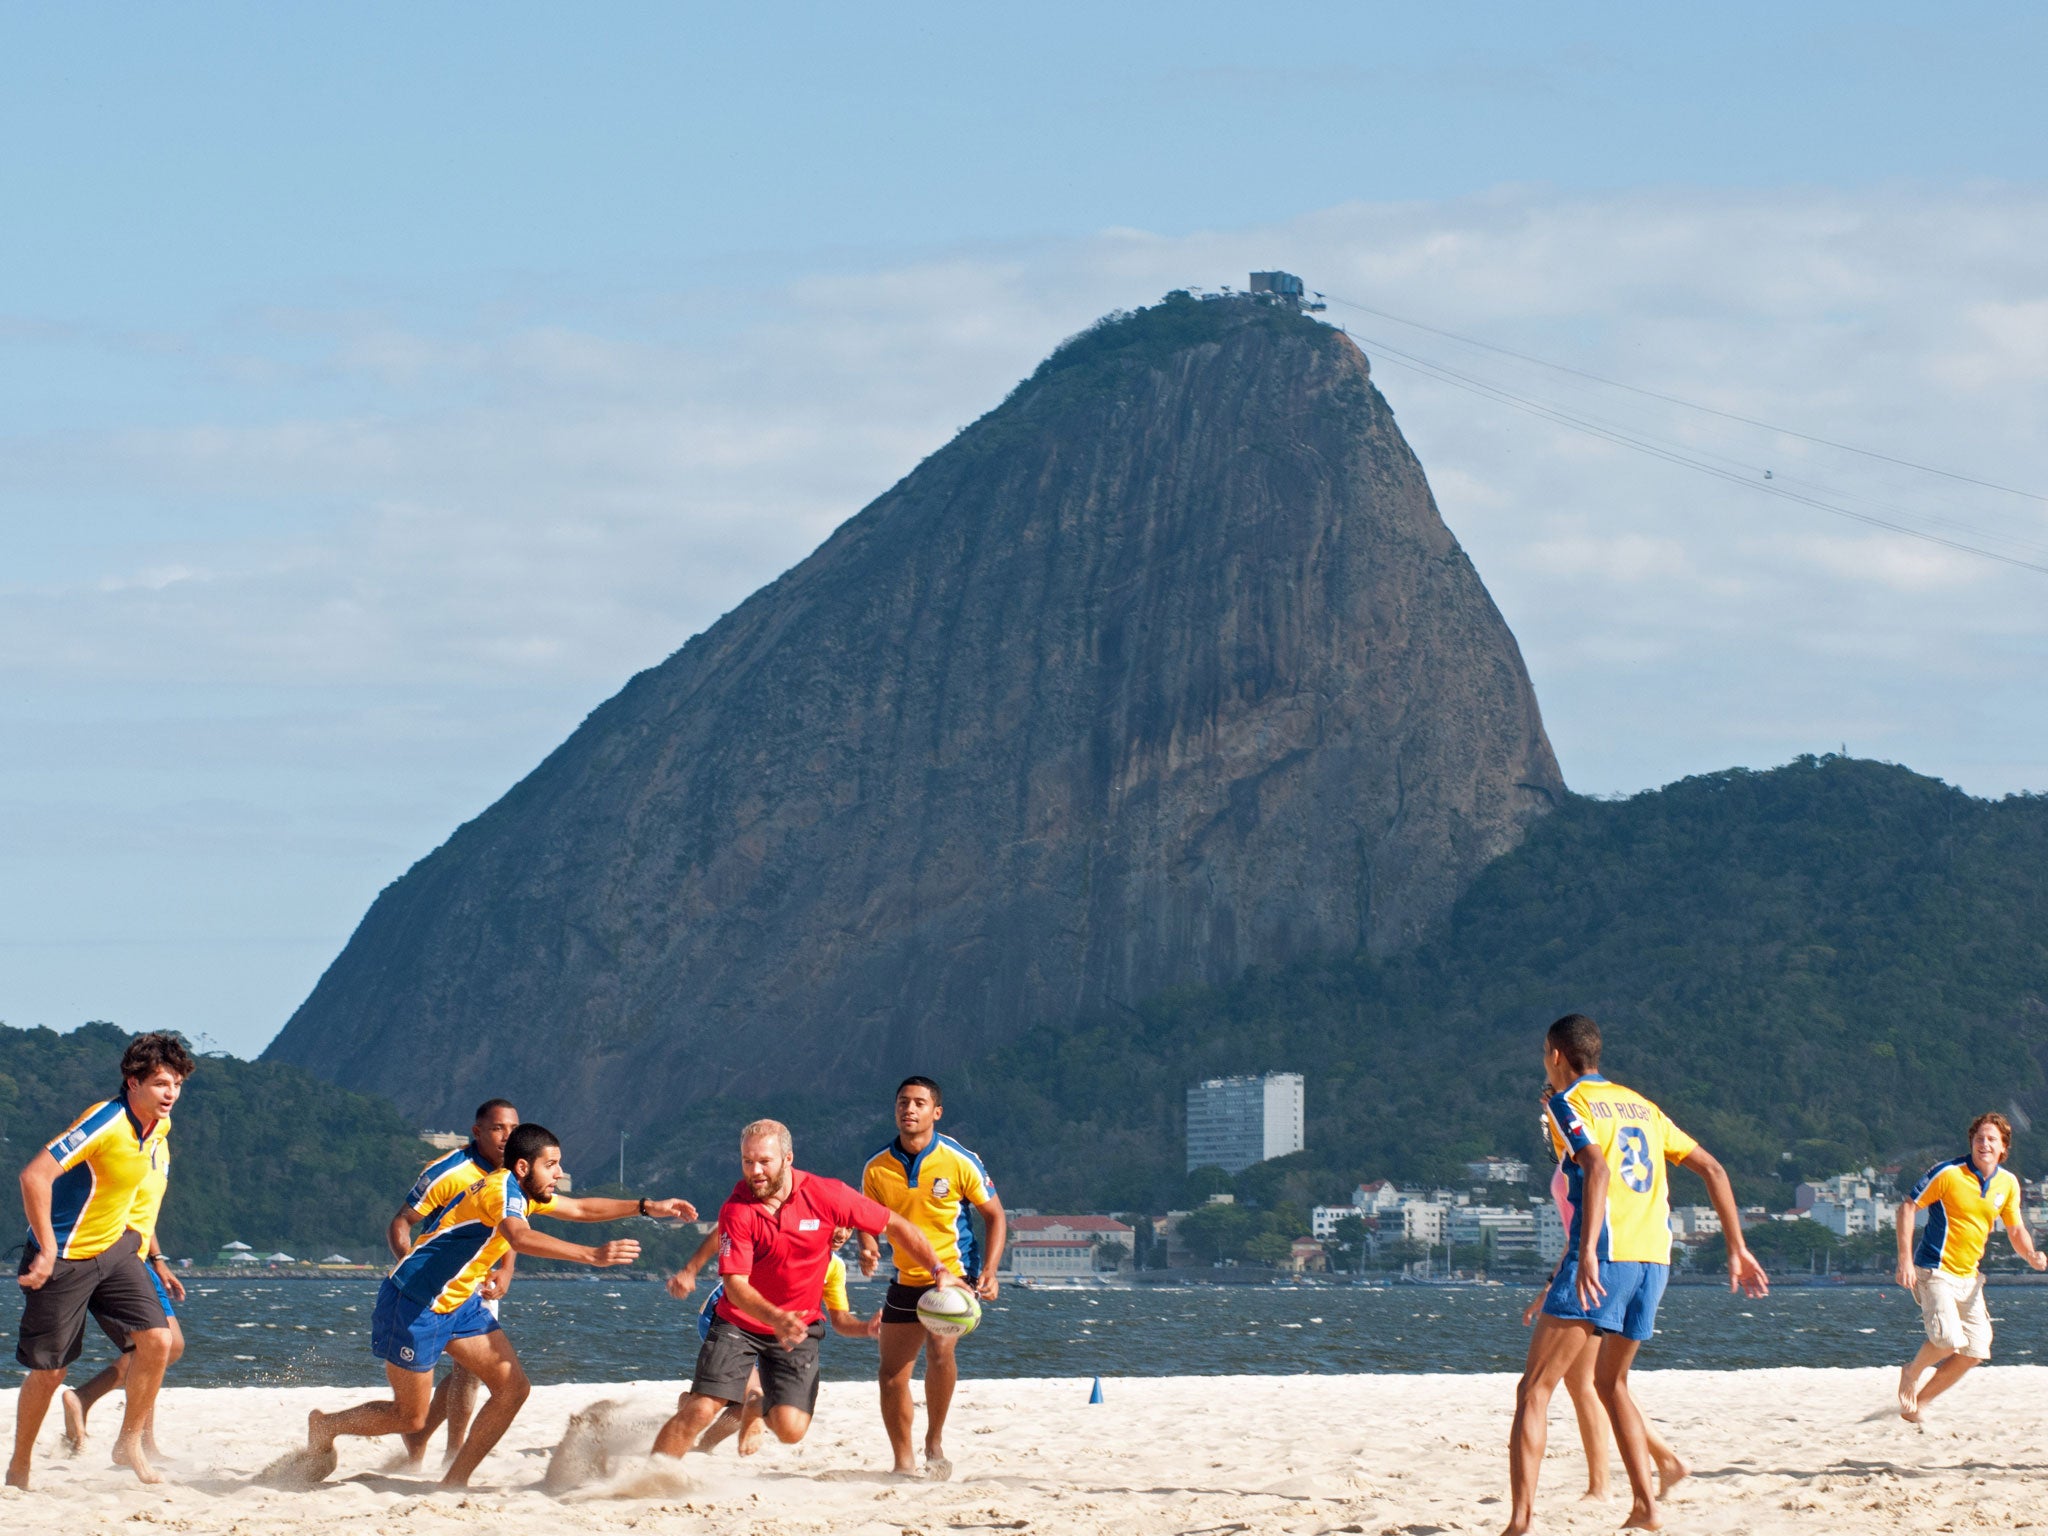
x=1065, y=1246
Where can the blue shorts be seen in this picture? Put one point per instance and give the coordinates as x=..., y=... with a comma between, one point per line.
x=411, y=1334
x=709, y=1310
x=1630, y=1306
x=162, y=1294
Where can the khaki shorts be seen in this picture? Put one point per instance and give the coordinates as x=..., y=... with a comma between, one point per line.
x=1953, y=1309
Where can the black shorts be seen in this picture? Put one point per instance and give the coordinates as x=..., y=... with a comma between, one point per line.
x=730, y=1354
x=900, y=1304
x=113, y=1286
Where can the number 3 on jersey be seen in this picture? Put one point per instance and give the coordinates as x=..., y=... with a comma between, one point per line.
x=1636, y=1171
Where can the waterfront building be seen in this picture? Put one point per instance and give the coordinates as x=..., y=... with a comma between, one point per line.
x=1234, y=1122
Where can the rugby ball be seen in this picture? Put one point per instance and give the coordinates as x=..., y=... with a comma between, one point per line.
x=951, y=1313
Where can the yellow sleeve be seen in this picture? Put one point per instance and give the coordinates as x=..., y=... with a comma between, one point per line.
x=1930, y=1193
x=76, y=1145
x=1677, y=1145
x=835, y=1286
x=2009, y=1212
x=870, y=1185
x=973, y=1187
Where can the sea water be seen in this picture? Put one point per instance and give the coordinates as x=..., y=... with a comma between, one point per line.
x=265, y=1330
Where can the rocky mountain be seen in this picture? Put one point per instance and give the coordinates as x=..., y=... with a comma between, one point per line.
x=1165, y=668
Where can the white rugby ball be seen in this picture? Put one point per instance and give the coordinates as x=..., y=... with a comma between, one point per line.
x=951, y=1313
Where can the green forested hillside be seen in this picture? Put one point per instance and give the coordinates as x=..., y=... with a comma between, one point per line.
x=266, y=1154
x=1828, y=963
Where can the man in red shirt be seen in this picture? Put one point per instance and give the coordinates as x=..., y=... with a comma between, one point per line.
x=775, y=1244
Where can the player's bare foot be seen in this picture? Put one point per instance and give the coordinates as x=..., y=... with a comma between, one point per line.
x=1599, y=1495
x=17, y=1475
x=1643, y=1518
x=1671, y=1471
x=128, y=1453
x=1515, y=1527
x=1909, y=1397
x=318, y=1436
x=74, y=1421
x=751, y=1436
x=936, y=1468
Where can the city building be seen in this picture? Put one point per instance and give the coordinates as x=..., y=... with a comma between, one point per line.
x=1323, y=1219
x=1379, y=1196
x=1234, y=1122
x=1424, y=1221
x=1063, y=1246
x=1498, y=1170
x=1550, y=1234
x=1694, y=1223
x=1501, y=1228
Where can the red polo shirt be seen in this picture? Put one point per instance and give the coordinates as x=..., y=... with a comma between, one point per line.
x=785, y=1254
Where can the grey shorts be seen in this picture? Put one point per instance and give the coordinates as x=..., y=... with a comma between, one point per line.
x=730, y=1354
x=112, y=1286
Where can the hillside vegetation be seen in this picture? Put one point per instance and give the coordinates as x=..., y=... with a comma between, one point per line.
x=265, y=1154
x=1812, y=967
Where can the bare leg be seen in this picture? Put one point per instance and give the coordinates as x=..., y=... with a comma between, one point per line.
x=941, y=1376
x=788, y=1424
x=900, y=1344
x=1946, y=1375
x=693, y=1415
x=1671, y=1467
x=437, y=1414
x=77, y=1404
x=149, y=1445
x=1928, y=1356
x=724, y=1427
x=752, y=1421
x=1631, y=1434
x=37, y=1388
x=400, y=1414
x=152, y=1353
x=1552, y=1348
x=460, y=1407
x=1592, y=1417
x=491, y=1359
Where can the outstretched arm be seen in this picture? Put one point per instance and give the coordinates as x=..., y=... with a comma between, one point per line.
x=524, y=1239
x=1745, y=1274
x=2023, y=1242
x=605, y=1208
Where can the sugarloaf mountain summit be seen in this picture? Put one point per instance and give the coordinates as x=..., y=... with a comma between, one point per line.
x=1165, y=668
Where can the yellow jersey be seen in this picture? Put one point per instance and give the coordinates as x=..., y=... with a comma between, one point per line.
x=102, y=1160
x=460, y=1243
x=1635, y=1139
x=933, y=1191
x=1961, y=1206
x=835, y=1286
x=149, y=1195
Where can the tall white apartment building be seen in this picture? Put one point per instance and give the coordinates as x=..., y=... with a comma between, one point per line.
x=1234, y=1122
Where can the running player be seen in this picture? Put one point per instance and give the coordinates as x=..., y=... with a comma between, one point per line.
x=429, y=1304
x=747, y=1420
x=439, y=1182
x=1962, y=1197
x=775, y=1245
x=83, y=1256
x=1617, y=1258
x=170, y=1290
x=932, y=1181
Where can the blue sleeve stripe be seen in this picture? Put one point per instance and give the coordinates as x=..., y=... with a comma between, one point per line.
x=90, y=1125
x=980, y=1168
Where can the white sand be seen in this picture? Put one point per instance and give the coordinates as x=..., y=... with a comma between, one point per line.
x=1774, y=1451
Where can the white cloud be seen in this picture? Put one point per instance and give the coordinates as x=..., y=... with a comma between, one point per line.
x=293, y=515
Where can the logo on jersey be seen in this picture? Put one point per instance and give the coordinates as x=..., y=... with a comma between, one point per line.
x=68, y=1143
x=1636, y=1170
x=941, y=1189
x=808, y=1224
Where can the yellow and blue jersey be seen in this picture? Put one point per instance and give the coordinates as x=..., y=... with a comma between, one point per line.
x=933, y=1191
x=149, y=1194
x=460, y=1242
x=445, y=1178
x=102, y=1160
x=1635, y=1139
x=1961, y=1207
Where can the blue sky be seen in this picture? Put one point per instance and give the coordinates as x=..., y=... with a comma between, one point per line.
x=381, y=388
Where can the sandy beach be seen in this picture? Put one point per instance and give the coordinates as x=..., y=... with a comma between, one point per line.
x=1773, y=1451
